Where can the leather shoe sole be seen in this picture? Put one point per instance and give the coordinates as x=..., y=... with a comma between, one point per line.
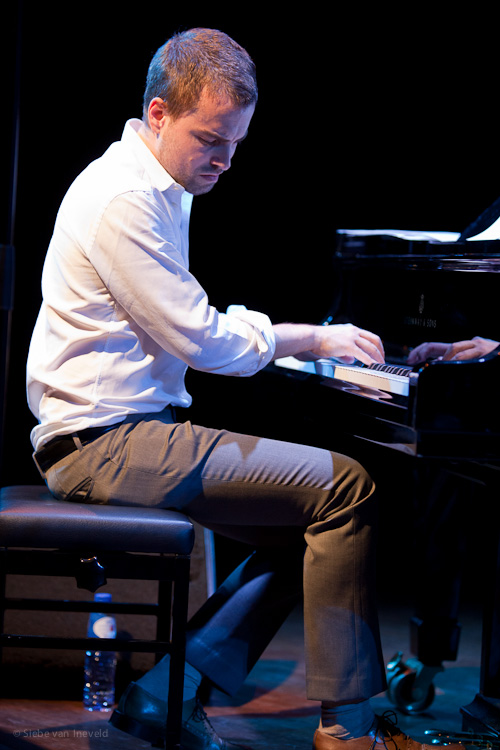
x=386, y=735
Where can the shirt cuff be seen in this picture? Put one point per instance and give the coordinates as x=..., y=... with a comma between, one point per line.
x=261, y=323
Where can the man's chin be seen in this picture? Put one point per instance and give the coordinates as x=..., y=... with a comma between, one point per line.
x=201, y=189
x=205, y=182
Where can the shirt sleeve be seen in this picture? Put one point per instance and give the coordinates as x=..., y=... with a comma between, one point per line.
x=138, y=253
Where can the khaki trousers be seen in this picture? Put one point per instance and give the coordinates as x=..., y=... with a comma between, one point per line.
x=309, y=513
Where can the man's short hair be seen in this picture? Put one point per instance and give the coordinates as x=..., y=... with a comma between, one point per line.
x=197, y=59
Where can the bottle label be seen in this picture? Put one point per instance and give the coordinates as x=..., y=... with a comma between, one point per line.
x=105, y=627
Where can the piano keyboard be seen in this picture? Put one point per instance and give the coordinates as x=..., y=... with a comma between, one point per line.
x=386, y=377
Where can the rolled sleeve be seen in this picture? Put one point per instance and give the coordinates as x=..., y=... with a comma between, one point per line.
x=256, y=329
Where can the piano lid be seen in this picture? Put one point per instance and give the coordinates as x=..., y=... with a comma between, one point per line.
x=365, y=242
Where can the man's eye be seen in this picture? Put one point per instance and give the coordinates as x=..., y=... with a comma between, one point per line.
x=207, y=141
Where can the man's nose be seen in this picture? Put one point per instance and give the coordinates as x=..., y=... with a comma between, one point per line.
x=222, y=157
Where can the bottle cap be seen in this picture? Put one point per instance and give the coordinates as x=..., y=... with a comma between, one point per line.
x=103, y=597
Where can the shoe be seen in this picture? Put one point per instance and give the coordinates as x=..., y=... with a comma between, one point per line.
x=141, y=714
x=198, y=733
x=385, y=736
x=144, y=715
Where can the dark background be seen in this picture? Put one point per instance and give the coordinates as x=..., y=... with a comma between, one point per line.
x=366, y=119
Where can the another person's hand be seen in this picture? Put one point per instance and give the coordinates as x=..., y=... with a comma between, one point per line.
x=460, y=350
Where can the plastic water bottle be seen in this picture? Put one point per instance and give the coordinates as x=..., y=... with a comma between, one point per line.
x=100, y=666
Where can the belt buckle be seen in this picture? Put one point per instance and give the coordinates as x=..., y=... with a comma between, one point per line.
x=52, y=452
x=40, y=470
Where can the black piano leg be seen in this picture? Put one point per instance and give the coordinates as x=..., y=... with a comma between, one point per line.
x=440, y=503
x=483, y=714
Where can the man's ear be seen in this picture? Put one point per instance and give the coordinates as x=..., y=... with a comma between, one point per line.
x=157, y=113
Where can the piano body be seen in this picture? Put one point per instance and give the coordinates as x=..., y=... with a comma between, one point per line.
x=409, y=291
x=412, y=287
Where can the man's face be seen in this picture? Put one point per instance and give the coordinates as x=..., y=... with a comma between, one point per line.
x=199, y=145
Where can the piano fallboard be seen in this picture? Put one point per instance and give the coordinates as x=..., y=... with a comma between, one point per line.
x=407, y=300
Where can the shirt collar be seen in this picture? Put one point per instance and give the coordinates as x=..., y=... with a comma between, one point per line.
x=159, y=176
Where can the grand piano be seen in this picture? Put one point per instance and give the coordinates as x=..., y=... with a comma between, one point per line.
x=412, y=287
x=408, y=289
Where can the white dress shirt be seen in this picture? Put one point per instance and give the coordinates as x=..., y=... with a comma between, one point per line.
x=122, y=317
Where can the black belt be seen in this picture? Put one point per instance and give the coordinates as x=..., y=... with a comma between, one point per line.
x=60, y=447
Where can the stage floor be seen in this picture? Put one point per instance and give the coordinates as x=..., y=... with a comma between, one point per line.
x=270, y=711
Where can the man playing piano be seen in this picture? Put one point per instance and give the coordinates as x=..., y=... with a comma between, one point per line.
x=121, y=320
